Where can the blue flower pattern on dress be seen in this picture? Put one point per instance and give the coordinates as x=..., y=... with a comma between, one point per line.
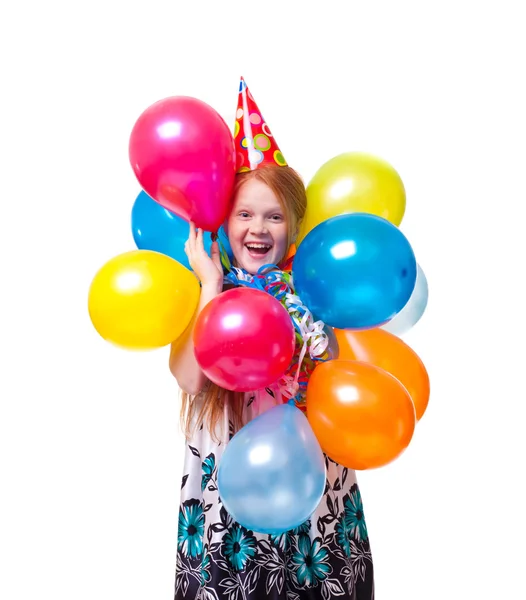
x=191, y=528
x=310, y=562
x=208, y=468
x=342, y=535
x=326, y=557
x=238, y=546
x=354, y=520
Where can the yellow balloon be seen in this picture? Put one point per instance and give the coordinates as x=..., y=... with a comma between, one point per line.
x=353, y=182
x=141, y=300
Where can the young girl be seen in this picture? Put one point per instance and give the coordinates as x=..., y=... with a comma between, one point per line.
x=327, y=556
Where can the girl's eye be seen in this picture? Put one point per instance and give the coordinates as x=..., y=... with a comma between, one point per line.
x=277, y=218
x=245, y=215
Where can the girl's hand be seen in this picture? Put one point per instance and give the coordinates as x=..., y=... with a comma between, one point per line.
x=207, y=268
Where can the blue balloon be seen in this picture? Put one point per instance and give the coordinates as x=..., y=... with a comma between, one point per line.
x=156, y=228
x=354, y=271
x=272, y=474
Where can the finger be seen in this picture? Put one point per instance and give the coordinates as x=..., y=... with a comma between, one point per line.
x=191, y=236
x=199, y=239
x=200, y=243
x=189, y=248
x=214, y=249
x=189, y=255
x=216, y=255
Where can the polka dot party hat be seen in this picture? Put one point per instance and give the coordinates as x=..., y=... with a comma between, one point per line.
x=255, y=145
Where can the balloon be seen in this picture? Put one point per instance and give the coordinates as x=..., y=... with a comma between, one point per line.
x=412, y=312
x=141, y=300
x=156, y=228
x=272, y=474
x=390, y=353
x=353, y=182
x=362, y=416
x=182, y=153
x=244, y=340
x=333, y=349
x=355, y=271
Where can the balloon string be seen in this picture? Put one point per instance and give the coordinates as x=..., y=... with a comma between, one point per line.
x=296, y=385
x=310, y=331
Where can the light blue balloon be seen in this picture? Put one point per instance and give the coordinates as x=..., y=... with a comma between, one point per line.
x=272, y=474
x=354, y=271
x=156, y=228
x=333, y=348
x=412, y=312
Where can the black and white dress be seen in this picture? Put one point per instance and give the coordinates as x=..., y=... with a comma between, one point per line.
x=217, y=559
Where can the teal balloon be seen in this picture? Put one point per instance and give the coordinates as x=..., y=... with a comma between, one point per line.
x=156, y=228
x=354, y=271
x=272, y=474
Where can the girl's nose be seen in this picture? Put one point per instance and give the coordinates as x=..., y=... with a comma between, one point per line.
x=257, y=226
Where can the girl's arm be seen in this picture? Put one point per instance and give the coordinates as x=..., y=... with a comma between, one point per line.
x=183, y=365
x=209, y=270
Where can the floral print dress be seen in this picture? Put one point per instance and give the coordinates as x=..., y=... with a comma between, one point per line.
x=328, y=556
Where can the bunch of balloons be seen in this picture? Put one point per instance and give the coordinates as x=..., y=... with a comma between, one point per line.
x=357, y=273
x=354, y=271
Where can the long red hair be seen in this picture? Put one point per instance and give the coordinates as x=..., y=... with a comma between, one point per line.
x=289, y=189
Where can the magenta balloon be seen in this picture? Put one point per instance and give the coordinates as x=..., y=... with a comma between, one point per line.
x=244, y=339
x=182, y=153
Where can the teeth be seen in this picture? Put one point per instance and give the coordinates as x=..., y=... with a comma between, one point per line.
x=258, y=246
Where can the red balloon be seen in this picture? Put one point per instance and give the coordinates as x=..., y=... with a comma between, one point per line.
x=183, y=155
x=244, y=340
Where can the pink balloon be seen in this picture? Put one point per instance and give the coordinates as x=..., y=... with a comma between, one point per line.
x=182, y=153
x=244, y=340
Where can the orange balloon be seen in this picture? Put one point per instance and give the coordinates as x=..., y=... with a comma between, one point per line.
x=362, y=416
x=387, y=351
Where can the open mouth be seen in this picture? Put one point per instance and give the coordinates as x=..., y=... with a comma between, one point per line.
x=257, y=250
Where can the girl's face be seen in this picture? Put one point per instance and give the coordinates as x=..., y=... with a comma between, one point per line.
x=257, y=228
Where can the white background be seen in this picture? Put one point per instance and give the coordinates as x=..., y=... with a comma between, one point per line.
x=90, y=447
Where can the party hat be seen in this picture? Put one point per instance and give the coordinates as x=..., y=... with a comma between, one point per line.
x=255, y=144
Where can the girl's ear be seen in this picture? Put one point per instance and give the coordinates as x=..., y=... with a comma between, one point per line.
x=295, y=233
